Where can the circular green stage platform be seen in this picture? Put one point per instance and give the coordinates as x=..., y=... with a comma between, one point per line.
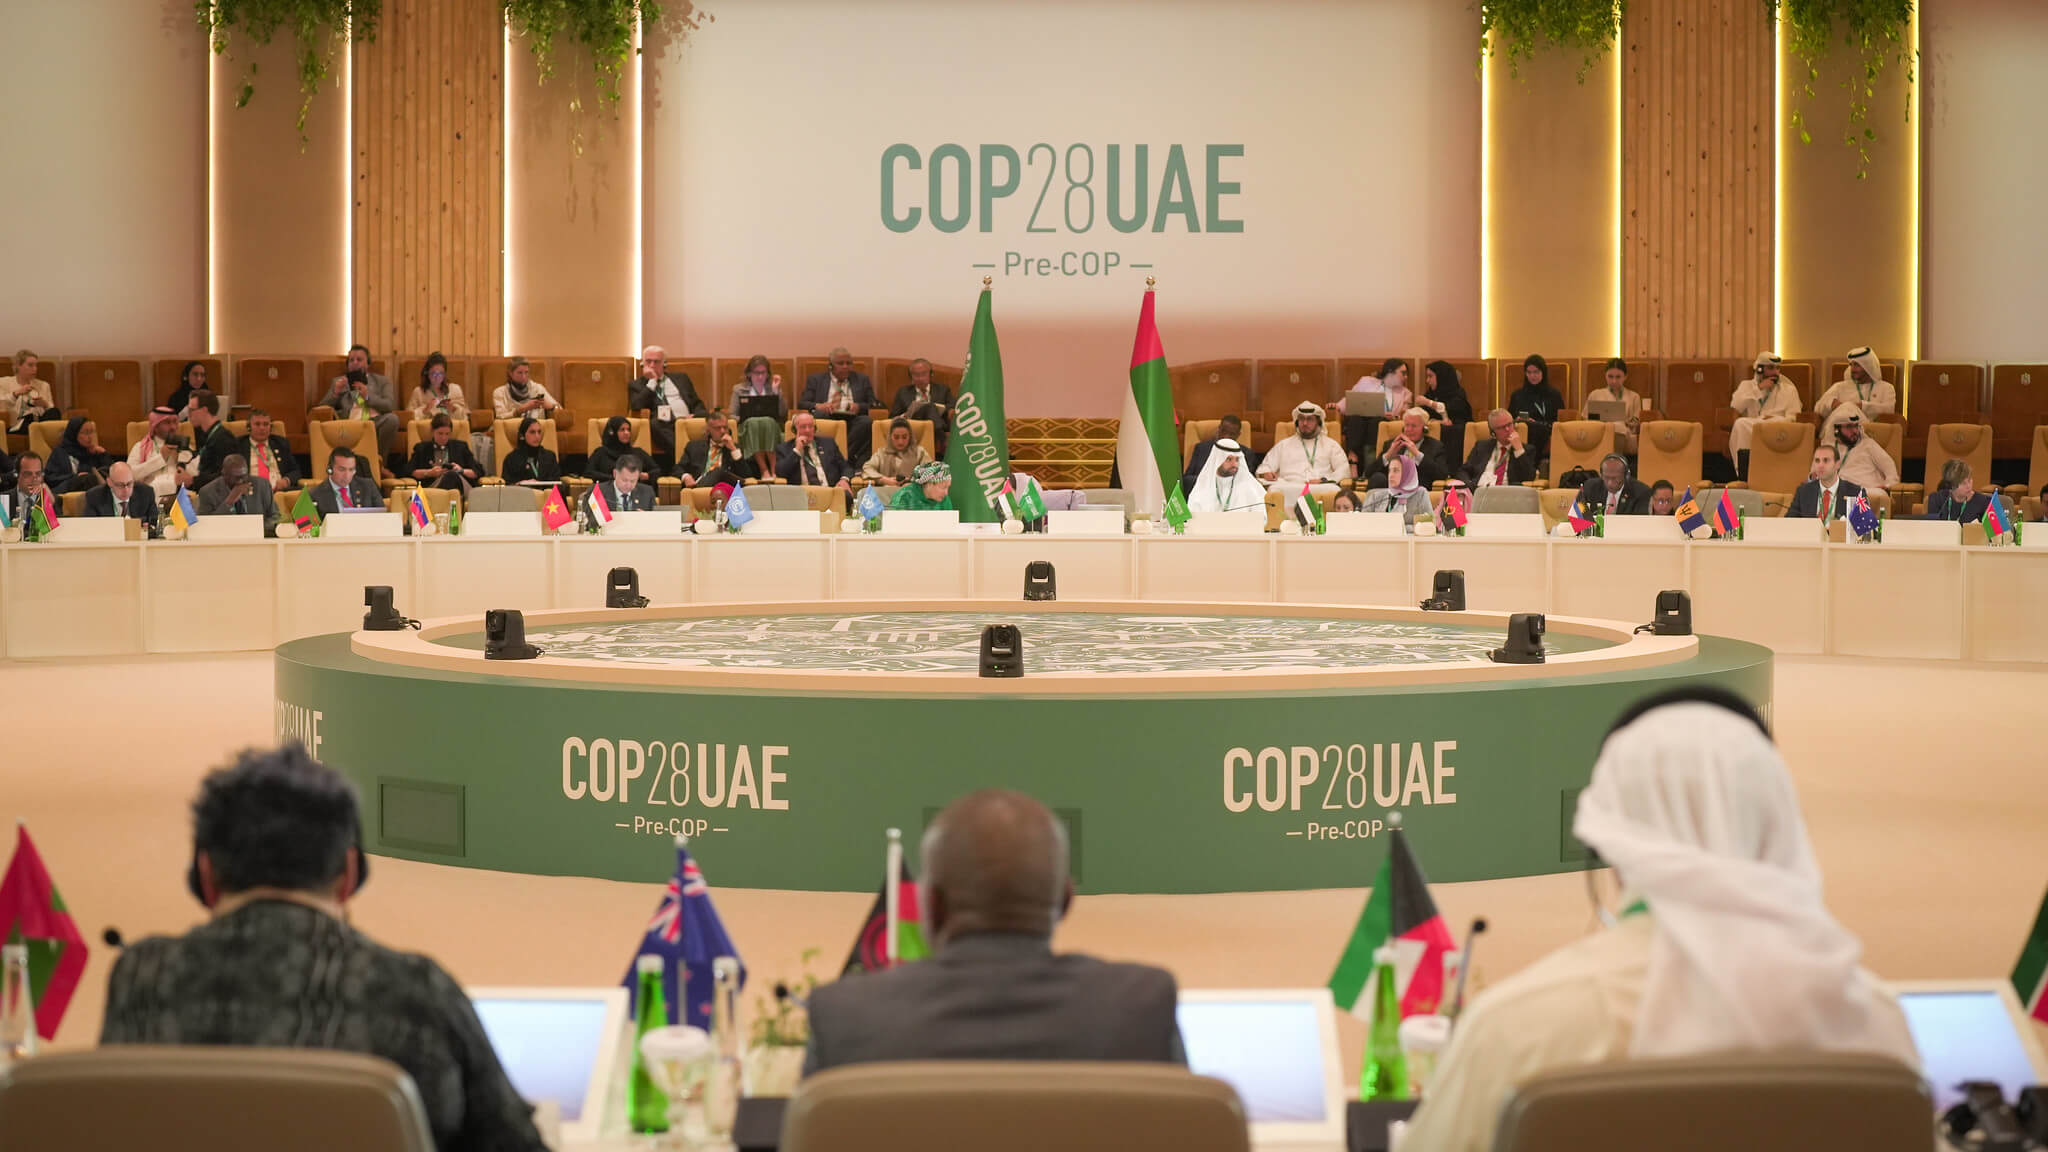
x=1190, y=748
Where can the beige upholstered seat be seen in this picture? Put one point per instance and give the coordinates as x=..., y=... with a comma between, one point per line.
x=505, y=433
x=921, y=432
x=593, y=434
x=358, y=436
x=1579, y=444
x=1670, y=450
x=1970, y=443
x=994, y=1106
x=1780, y=455
x=833, y=429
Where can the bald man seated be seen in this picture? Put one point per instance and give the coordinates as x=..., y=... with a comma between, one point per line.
x=995, y=885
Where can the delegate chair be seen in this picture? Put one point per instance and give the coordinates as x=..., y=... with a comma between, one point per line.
x=219, y=1099
x=1192, y=433
x=502, y=498
x=1554, y=503
x=1507, y=376
x=461, y=379
x=279, y=386
x=1642, y=380
x=1514, y=498
x=808, y=366
x=997, y=1106
x=164, y=376
x=43, y=435
x=1801, y=374
x=1212, y=388
x=834, y=430
x=1747, y=501
x=733, y=369
x=2019, y=404
x=1671, y=450
x=699, y=369
x=1579, y=444
x=892, y=373
x=358, y=436
x=1286, y=383
x=1770, y=1102
x=111, y=392
x=327, y=368
x=1390, y=429
x=1970, y=443
x=593, y=432
x=1940, y=394
x=489, y=373
x=1780, y=457
x=594, y=390
x=920, y=433
x=504, y=434
x=438, y=499
x=1475, y=377
x=1700, y=391
x=2037, y=469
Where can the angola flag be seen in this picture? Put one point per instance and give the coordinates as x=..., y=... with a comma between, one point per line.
x=32, y=913
x=1400, y=914
x=871, y=948
x=2030, y=975
x=1147, y=458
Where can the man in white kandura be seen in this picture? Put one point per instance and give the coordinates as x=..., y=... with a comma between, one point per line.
x=1225, y=483
x=1309, y=456
x=1724, y=943
x=1864, y=462
x=1862, y=387
x=1764, y=396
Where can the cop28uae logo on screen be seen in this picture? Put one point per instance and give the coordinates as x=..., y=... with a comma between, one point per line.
x=1094, y=206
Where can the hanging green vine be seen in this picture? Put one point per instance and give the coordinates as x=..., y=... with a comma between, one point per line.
x=1516, y=28
x=605, y=27
x=1878, y=31
x=319, y=26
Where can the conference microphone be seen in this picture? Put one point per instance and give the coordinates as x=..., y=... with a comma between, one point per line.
x=784, y=994
x=1465, y=963
x=113, y=938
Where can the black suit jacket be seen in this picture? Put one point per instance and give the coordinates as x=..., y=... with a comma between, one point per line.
x=1521, y=469
x=786, y=465
x=281, y=448
x=818, y=389
x=697, y=457
x=1806, y=500
x=1200, y=457
x=640, y=394
x=642, y=501
x=141, y=503
x=212, y=448
x=458, y=454
x=906, y=399
x=1943, y=505
x=362, y=490
x=996, y=997
x=1428, y=470
x=1635, y=497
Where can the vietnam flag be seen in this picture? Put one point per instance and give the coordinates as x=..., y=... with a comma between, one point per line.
x=32, y=913
x=1401, y=915
x=553, y=512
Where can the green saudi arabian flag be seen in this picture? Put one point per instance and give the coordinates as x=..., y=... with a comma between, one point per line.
x=978, y=448
x=1147, y=459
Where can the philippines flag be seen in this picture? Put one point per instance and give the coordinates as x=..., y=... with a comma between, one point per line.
x=687, y=934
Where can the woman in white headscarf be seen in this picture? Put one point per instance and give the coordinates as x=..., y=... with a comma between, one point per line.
x=1724, y=943
x=1226, y=483
x=1862, y=385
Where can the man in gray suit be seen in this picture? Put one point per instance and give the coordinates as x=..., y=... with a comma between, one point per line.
x=840, y=393
x=359, y=393
x=995, y=885
x=236, y=493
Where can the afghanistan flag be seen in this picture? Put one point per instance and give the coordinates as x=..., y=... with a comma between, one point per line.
x=1399, y=914
x=32, y=913
x=1147, y=458
x=2030, y=975
x=978, y=448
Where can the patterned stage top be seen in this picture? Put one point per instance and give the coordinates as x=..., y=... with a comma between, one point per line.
x=1056, y=642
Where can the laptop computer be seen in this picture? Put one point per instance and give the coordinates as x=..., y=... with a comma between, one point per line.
x=1278, y=1048
x=561, y=1045
x=1970, y=1030
x=1611, y=411
x=753, y=407
x=1365, y=403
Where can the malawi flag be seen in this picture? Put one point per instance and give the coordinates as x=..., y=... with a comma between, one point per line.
x=978, y=447
x=32, y=913
x=871, y=948
x=1147, y=458
x=1401, y=915
x=2030, y=975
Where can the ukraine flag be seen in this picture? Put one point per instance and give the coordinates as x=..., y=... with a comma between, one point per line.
x=182, y=512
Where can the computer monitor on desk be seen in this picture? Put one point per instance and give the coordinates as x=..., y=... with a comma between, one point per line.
x=563, y=1045
x=1278, y=1048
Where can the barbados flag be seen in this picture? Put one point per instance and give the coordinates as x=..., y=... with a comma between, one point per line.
x=182, y=512
x=1580, y=521
x=1726, y=521
x=1996, y=522
x=1690, y=518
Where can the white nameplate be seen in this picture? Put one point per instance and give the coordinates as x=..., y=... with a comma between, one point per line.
x=1243, y=522
x=659, y=522
x=776, y=522
x=95, y=530
x=500, y=525
x=362, y=526
x=1780, y=530
x=1504, y=525
x=920, y=522
x=227, y=527
x=1929, y=533
x=1366, y=525
x=1659, y=528
x=1092, y=522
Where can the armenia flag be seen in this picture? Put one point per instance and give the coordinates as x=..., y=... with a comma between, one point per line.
x=1690, y=518
x=688, y=935
x=1401, y=915
x=2030, y=975
x=32, y=913
x=182, y=512
x=1725, y=518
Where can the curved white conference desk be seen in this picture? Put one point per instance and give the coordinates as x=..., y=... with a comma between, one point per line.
x=1940, y=602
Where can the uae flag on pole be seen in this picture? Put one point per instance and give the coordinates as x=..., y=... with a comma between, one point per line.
x=2030, y=975
x=1147, y=456
x=32, y=913
x=1401, y=915
x=978, y=448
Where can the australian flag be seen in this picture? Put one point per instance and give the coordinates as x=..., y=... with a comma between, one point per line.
x=1862, y=517
x=687, y=934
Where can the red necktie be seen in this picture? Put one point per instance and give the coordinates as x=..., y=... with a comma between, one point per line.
x=1500, y=468
x=345, y=501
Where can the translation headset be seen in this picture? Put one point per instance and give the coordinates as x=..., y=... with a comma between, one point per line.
x=362, y=871
x=1683, y=694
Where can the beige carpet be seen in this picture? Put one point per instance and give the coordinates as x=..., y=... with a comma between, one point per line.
x=1921, y=783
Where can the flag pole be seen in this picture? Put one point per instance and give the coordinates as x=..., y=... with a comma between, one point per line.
x=892, y=895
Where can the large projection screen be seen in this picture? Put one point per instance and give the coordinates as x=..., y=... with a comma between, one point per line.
x=826, y=173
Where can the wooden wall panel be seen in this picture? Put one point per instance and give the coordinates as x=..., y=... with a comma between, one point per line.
x=1697, y=168
x=429, y=180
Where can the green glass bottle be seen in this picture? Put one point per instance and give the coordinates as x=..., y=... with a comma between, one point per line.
x=646, y=1106
x=1385, y=1076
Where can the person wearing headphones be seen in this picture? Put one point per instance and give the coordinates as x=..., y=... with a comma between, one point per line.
x=1720, y=940
x=1614, y=491
x=277, y=854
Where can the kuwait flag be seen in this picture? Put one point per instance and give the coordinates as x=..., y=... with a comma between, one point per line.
x=898, y=909
x=978, y=449
x=32, y=913
x=2031, y=974
x=1147, y=456
x=1398, y=914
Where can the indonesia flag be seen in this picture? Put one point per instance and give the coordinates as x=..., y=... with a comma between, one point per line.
x=1400, y=915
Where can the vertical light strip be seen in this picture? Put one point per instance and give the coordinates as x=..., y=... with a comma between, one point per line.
x=1913, y=126
x=348, y=171
x=212, y=204
x=1486, y=207
x=639, y=191
x=1778, y=186
x=1620, y=68
x=505, y=197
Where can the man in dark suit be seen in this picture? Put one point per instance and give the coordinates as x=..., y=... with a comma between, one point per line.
x=715, y=459
x=211, y=440
x=1228, y=428
x=345, y=489
x=996, y=883
x=28, y=489
x=269, y=454
x=121, y=496
x=1825, y=494
x=1413, y=442
x=840, y=393
x=1501, y=460
x=806, y=458
x=236, y=493
x=442, y=461
x=925, y=399
x=1614, y=491
x=666, y=396
x=624, y=492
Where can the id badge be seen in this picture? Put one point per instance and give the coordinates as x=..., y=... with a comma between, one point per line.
x=665, y=414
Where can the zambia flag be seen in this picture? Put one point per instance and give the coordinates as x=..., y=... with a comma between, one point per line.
x=1147, y=458
x=305, y=513
x=1399, y=914
x=871, y=948
x=32, y=913
x=2030, y=975
x=978, y=448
